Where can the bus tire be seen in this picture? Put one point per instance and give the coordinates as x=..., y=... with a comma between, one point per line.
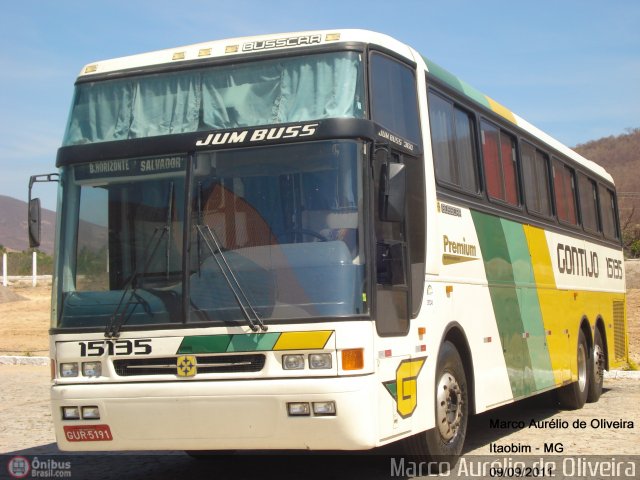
x=443, y=444
x=574, y=395
x=598, y=363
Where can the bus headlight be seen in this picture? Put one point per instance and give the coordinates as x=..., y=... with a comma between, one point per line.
x=70, y=413
x=324, y=408
x=298, y=409
x=320, y=360
x=90, y=413
x=293, y=362
x=92, y=369
x=68, y=370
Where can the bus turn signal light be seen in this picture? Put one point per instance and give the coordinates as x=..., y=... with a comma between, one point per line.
x=353, y=359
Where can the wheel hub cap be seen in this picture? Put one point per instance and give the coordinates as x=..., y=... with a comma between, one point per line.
x=449, y=406
x=598, y=363
x=582, y=367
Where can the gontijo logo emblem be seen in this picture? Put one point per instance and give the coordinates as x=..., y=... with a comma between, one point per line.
x=404, y=389
x=187, y=365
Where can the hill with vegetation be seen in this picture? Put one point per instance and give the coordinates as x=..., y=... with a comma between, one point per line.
x=620, y=156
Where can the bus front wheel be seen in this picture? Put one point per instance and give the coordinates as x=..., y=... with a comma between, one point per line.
x=444, y=442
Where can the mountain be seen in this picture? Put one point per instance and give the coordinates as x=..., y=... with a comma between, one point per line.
x=620, y=156
x=13, y=225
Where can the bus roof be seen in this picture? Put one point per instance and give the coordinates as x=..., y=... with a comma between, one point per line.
x=285, y=41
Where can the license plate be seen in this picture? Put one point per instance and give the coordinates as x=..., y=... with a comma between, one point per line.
x=87, y=433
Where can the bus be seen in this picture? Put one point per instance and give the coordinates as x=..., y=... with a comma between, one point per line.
x=317, y=240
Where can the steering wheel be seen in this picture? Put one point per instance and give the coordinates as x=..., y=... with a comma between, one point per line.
x=311, y=233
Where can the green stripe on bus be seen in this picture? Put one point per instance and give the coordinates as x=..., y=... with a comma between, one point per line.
x=253, y=342
x=454, y=82
x=204, y=344
x=504, y=297
x=542, y=374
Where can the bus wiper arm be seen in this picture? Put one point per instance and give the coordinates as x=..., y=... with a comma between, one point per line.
x=236, y=289
x=119, y=316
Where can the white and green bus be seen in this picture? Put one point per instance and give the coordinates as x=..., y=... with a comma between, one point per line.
x=317, y=240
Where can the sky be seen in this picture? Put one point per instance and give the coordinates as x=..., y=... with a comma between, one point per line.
x=570, y=67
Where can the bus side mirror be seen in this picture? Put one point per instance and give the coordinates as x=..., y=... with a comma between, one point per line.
x=34, y=222
x=393, y=187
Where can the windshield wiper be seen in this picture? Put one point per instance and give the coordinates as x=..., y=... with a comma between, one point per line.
x=238, y=293
x=118, y=318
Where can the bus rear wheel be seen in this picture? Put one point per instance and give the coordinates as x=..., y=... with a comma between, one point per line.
x=574, y=396
x=597, y=368
x=443, y=444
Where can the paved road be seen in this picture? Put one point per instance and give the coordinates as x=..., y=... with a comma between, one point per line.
x=26, y=430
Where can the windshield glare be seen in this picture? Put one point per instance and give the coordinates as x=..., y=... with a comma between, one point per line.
x=285, y=219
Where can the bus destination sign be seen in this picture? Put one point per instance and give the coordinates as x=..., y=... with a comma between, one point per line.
x=130, y=167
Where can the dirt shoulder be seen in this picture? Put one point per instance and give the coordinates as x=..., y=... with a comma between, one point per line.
x=24, y=323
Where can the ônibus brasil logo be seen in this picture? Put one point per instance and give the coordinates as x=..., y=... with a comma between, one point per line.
x=19, y=467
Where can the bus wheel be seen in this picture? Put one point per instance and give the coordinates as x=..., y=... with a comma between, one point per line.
x=443, y=444
x=574, y=396
x=597, y=368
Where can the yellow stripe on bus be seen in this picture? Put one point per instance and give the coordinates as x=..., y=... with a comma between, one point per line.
x=313, y=340
x=552, y=305
x=563, y=310
x=501, y=110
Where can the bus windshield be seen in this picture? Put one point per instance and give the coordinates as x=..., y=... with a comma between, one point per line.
x=286, y=220
x=265, y=92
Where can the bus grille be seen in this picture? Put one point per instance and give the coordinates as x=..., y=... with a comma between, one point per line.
x=206, y=364
x=618, y=329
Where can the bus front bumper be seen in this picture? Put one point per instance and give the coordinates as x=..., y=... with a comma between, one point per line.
x=218, y=415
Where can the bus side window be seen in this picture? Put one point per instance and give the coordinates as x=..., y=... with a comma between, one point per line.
x=608, y=213
x=564, y=182
x=499, y=156
x=453, y=144
x=393, y=90
x=588, y=203
x=535, y=169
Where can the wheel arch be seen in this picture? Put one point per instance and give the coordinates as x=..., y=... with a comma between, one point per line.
x=454, y=333
x=585, y=327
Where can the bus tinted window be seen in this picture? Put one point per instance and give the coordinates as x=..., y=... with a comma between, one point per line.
x=499, y=155
x=536, y=172
x=394, y=97
x=564, y=190
x=452, y=141
x=588, y=203
x=608, y=212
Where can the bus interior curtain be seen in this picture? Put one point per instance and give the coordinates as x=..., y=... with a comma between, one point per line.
x=260, y=93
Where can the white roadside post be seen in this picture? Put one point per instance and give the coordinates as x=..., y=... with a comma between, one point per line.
x=4, y=269
x=35, y=269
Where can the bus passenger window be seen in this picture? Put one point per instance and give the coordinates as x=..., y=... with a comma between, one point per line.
x=535, y=169
x=588, y=203
x=499, y=154
x=565, y=194
x=452, y=140
x=608, y=212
